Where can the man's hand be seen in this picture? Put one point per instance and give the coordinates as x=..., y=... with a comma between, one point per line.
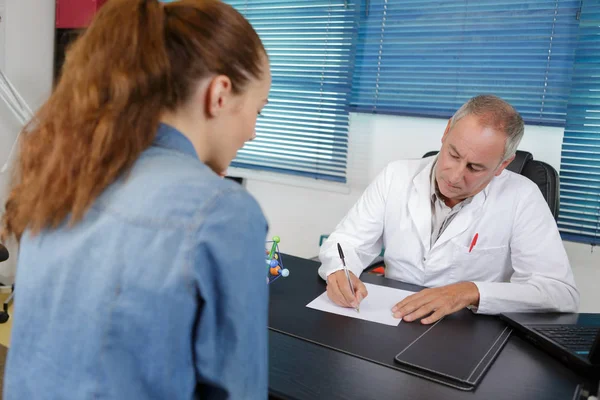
x=438, y=302
x=338, y=289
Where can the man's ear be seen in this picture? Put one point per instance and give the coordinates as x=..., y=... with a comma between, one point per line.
x=503, y=165
x=218, y=94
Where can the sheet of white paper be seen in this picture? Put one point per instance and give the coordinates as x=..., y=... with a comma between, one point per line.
x=377, y=307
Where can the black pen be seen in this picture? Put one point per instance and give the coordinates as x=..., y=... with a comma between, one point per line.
x=346, y=270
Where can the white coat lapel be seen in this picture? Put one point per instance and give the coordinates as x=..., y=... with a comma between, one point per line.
x=419, y=204
x=464, y=219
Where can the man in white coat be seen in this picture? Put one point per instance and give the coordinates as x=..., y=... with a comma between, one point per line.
x=477, y=235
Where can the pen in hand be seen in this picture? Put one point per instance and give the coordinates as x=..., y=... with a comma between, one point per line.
x=347, y=274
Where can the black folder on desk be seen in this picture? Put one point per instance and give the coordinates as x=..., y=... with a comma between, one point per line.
x=457, y=351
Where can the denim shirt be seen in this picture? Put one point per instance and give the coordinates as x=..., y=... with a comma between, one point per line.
x=158, y=293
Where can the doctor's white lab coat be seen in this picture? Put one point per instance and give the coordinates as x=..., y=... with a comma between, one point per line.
x=518, y=263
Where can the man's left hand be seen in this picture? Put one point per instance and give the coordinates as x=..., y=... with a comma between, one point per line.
x=438, y=302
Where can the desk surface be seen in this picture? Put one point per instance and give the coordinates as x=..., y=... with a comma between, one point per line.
x=302, y=370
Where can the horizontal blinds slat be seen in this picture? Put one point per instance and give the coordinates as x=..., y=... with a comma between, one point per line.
x=591, y=232
x=258, y=157
x=504, y=47
x=324, y=120
x=580, y=214
x=590, y=224
x=283, y=129
x=580, y=179
x=291, y=171
x=300, y=128
x=583, y=225
x=295, y=147
x=285, y=164
x=289, y=162
x=293, y=158
x=590, y=218
x=576, y=181
x=588, y=209
x=284, y=144
x=475, y=59
x=311, y=47
x=581, y=189
x=464, y=7
x=589, y=205
x=528, y=71
x=429, y=33
x=447, y=21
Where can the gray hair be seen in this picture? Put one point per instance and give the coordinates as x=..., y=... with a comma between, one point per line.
x=497, y=114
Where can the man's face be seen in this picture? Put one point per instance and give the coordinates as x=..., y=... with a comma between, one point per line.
x=470, y=157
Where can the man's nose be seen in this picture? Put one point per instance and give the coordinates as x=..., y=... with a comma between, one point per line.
x=456, y=174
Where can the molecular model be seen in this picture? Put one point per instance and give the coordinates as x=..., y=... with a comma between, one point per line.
x=274, y=262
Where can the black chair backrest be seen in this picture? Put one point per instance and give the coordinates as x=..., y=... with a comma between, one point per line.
x=542, y=174
x=521, y=159
x=3, y=253
x=546, y=177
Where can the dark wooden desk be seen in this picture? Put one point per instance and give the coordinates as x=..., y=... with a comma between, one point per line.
x=302, y=370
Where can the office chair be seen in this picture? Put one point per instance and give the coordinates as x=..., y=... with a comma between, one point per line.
x=541, y=173
x=4, y=313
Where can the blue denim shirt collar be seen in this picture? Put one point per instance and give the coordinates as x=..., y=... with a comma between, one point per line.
x=170, y=138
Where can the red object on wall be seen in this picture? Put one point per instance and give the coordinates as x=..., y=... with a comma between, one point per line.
x=76, y=13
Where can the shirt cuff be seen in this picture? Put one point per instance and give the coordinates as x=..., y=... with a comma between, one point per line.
x=325, y=272
x=486, y=296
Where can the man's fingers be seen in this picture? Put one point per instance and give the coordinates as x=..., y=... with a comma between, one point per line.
x=409, y=299
x=411, y=306
x=338, y=286
x=335, y=295
x=437, y=315
x=420, y=312
x=344, y=286
x=359, y=287
x=439, y=301
x=333, y=291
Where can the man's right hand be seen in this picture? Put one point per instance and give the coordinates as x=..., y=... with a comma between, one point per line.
x=339, y=291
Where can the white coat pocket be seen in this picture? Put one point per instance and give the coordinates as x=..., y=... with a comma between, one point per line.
x=490, y=264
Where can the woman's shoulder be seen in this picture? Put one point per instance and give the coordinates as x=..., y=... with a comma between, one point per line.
x=163, y=187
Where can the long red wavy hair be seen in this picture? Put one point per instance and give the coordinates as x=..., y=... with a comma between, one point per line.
x=136, y=59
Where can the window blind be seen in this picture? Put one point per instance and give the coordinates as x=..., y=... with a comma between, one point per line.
x=304, y=128
x=579, y=217
x=428, y=57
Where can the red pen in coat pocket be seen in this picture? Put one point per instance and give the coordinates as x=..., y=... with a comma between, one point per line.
x=474, y=242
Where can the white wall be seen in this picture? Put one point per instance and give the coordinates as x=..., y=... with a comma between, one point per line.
x=585, y=261
x=28, y=63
